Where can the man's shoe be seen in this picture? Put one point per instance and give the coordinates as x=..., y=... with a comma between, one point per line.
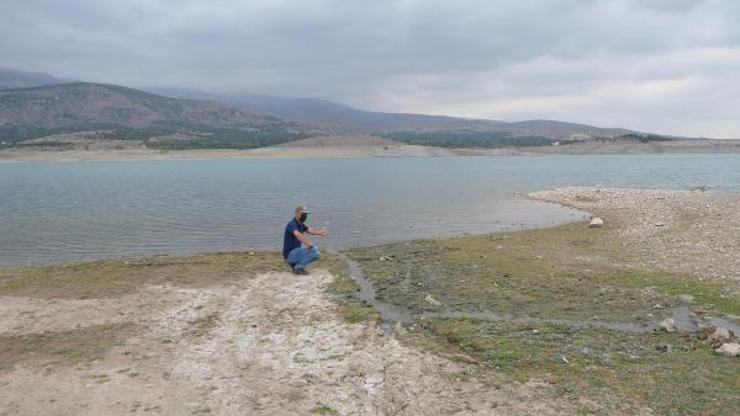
x=300, y=271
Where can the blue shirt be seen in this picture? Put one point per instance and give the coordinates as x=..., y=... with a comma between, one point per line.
x=289, y=240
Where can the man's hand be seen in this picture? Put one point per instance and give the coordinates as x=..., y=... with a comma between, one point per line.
x=321, y=232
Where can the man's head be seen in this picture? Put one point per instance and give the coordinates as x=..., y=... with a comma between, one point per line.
x=301, y=213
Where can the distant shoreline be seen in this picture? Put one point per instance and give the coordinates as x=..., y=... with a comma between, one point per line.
x=398, y=150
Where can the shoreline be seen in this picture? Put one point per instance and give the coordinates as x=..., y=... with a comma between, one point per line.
x=714, y=147
x=584, y=200
x=507, y=320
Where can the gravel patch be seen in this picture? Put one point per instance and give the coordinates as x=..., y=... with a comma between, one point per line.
x=678, y=231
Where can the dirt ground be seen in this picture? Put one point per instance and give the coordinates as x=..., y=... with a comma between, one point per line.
x=264, y=344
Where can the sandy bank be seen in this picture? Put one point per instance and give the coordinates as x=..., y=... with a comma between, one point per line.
x=328, y=147
x=261, y=153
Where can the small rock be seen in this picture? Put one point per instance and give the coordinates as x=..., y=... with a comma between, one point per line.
x=668, y=325
x=659, y=224
x=596, y=222
x=719, y=336
x=664, y=347
x=429, y=299
x=686, y=298
x=729, y=349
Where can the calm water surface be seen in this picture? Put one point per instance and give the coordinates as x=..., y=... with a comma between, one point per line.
x=75, y=211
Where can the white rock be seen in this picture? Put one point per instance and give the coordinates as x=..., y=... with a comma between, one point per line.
x=668, y=325
x=596, y=222
x=686, y=298
x=730, y=349
x=432, y=301
x=719, y=335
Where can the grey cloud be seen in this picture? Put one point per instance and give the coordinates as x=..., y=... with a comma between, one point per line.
x=409, y=55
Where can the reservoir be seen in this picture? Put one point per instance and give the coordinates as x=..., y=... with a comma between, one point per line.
x=59, y=212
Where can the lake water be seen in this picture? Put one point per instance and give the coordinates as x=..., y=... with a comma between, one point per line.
x=55, y=212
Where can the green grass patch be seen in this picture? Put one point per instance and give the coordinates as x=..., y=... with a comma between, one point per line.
x=357, y=312
x=567, y=272
x=343, y=290
x=576, y=275
x=619, y=367
x=322, y=409
x=115, y=278
x=342, y=285
x=710, y=293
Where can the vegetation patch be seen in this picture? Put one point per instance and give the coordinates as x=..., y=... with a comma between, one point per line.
x=468, y=138
x=546, y=291
x=63, y=347
x=205, y=137
x=115, y=278
x=713, y=294
x=358, y=312
x=342, y=285
x=344, y=290
x=669, y=372
x=322, y=409
x=568, y=272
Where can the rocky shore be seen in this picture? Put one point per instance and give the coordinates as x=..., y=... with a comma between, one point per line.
x=681, y=231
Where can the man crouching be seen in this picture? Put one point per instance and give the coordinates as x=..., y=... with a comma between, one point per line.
x=297, y=256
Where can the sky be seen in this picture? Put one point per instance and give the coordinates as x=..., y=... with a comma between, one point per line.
x=663, y=66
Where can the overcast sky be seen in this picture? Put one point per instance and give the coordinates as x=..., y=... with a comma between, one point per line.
x=667, y=66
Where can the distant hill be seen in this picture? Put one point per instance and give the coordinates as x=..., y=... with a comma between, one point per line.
x=172, y=118
x=337, y=118
x=125, y=113
x=12, y=78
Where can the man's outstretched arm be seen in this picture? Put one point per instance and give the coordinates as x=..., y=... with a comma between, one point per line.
x=321, y=232
x=302, y=238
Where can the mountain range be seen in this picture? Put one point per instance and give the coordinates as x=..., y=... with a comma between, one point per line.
x=34, y=105
x=11, y=78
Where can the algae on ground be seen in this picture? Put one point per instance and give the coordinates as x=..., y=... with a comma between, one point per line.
x=568, y=273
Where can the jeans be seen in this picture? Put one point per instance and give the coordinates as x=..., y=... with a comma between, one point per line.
x=301, y=257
